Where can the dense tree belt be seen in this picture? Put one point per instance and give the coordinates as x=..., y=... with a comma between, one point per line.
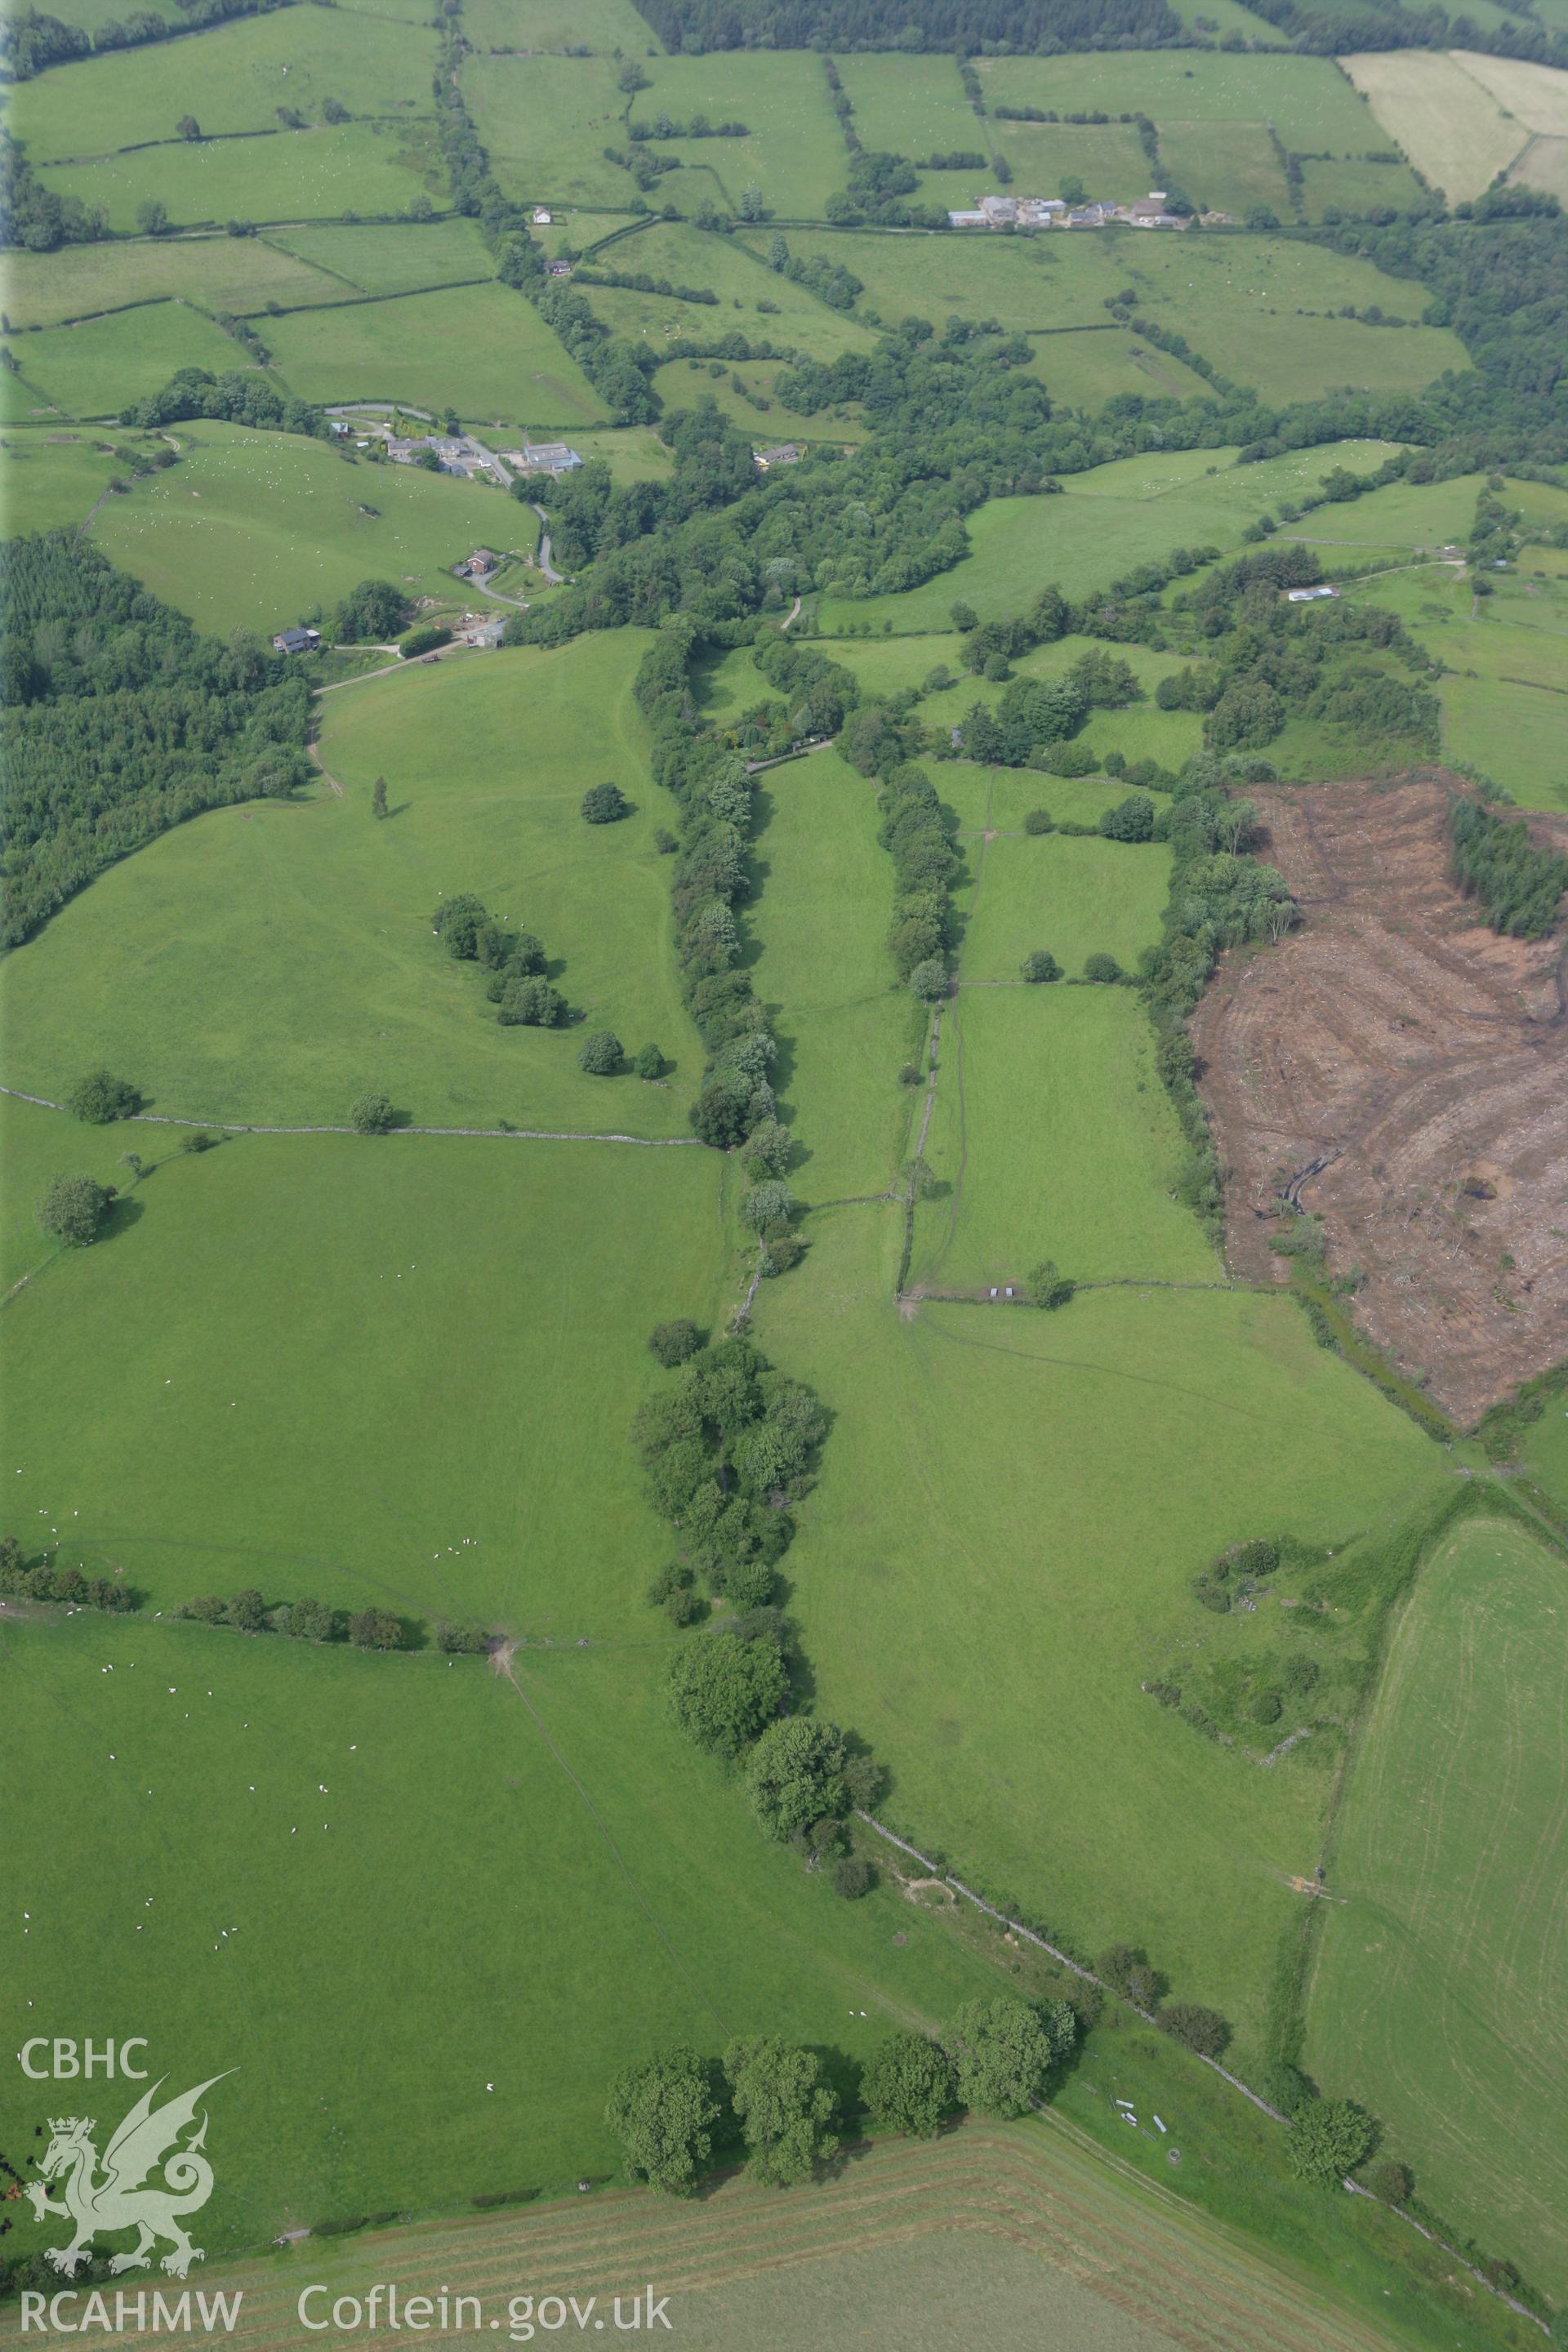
x=119, y=722
x=1024, y=24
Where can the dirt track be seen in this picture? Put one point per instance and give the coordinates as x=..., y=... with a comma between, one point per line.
x=1423, y=1061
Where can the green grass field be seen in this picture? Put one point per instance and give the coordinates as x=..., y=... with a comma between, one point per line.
x=250, y=529
x=721, y=265
x=1086, y=367
x=1502, y=688
x=95, y=369
x=1223, y=175
x=296, y=175
x=999, y=1549
x=1440, y=1993
x=793, y=151
x=1307, y=99
x=482, y=349
x=1355, y=186
x=683, y=383
x=1402, y=515
x=1107, y=157
x=545, y=121
x=1263, y=311
x=393, y=259
x=983, y=799
x=845, y=1026
x=1052, y=1138
x=1027, y=283
x=50, y=480
x=1107, y=519
x=220, y=273
x=233, y=77
x=283, y=955
x=1076, y=898
x=602, y=25
x=913, y=107
x=539, y=1957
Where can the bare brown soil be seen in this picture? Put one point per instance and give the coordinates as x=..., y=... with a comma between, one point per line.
x=1410, y=1068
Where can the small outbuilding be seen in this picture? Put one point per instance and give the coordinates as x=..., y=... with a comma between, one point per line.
x=785, y=453
x=296, y=641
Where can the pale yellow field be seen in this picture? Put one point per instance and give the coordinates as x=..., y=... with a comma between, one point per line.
x=1536, y=96
x=1544, y=164
x=1449, y=127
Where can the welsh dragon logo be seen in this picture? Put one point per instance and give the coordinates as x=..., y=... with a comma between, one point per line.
x=99, y=2202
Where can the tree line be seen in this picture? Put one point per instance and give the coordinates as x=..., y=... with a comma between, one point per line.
x=776, y=2100
x=31, y=41
x=120, y=721
x=1518, y=885
x=1022, y=26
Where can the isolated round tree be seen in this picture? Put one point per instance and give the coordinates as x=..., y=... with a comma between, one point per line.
x=101, y=1097
x=1041, y=966
x=600, y=1053
x=72, y=1208
x=371, y=1113
x=929, y=979
x=605, y=804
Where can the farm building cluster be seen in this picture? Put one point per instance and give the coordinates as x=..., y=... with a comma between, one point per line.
x=1054, y=212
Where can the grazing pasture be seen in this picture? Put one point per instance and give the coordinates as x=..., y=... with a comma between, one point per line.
x=391, y=259
x=987, y=799
x=1086, y=367
x=1027, y=283
x=95, y=369
x=1052, y=1135
x=796, y=319
x=602, y=25
x=1107, y=158
x=1449, y=123
x=1349, y=185
x=998, y=1551
x=545, y=123
x=1440, y=1990
x=50, y=480
x=482, y=349
x=251, y=530
x=472, y=1313
x=1263, y=312
x=318, y=173
x=1511, y=730
x=267, y=963
x=1225, y=173
x=1107, y=519
x=913, y=107
x=1258, y=309
x=353, y=1807
x=845, y=1026
x=231, y=79
x=793, y=152
x=1306, y=99
x=218, y=273
x=757, y=408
